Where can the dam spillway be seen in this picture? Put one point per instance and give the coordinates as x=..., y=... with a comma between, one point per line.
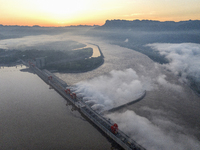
x=97, y=119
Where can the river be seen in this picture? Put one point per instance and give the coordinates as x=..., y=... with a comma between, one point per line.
x=170, y=111
x=32, y=116
x=95, y=53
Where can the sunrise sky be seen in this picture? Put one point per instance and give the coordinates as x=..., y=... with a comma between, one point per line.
x=94, y=12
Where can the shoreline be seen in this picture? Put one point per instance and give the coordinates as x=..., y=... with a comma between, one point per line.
x=82, y=71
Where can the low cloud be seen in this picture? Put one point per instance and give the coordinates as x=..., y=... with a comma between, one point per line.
x=126, y=41
x=112, y=90
x=40, y=42
x=27, y=41
x=170, y=86
x=151, y=136
x=184, y=58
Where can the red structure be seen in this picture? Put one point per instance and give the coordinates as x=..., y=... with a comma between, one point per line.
x=50, y=78
x=74, y=95
x=114, y=128
x=66, y=91
x=71, y=95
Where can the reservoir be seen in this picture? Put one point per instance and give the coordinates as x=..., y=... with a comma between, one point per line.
x=33, y=116
x=169, y=105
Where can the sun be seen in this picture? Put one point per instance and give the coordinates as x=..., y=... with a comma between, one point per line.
x=62, y=9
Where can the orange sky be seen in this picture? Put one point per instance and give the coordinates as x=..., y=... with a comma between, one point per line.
x=93, y=12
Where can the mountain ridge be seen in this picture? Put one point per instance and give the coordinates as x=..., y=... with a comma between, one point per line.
x=152, y=24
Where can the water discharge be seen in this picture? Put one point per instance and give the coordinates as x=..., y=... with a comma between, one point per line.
x=171, y=108
x=116, y=89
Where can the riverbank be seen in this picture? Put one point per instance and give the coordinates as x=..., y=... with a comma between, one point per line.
x=80, y=66
x=76, y=61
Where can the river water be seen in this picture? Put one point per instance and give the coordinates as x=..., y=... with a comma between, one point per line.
x=95, y=53
x=32, y=116
x=167, y=118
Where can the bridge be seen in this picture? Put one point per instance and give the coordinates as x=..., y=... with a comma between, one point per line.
x=102, y=123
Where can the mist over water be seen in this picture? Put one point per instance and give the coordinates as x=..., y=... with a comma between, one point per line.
x=184, y=58
x=115, y=89
x=40, y=42
x=168, y=116
x=151, y=136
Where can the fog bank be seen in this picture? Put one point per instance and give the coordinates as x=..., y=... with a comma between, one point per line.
x=115, y=89
x=184, y=58
x=151, y=136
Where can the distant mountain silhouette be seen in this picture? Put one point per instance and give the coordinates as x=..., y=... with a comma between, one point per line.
x=153, y=25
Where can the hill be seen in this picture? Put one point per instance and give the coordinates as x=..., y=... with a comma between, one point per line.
x=151, y=25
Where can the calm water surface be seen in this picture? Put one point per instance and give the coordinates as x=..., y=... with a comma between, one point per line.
x=32, y=116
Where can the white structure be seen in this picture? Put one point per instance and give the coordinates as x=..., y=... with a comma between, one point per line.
x=40, y=62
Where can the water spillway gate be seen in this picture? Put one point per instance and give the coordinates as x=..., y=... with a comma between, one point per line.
x=105, y=125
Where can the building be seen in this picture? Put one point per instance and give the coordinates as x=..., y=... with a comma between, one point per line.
x=40, y=62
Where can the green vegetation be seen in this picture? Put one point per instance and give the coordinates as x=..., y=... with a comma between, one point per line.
x=153, y=55
x=81, y=65
x=62, y=61
x=52, y=55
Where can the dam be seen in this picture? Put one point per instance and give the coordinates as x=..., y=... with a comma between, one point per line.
x=105, y=125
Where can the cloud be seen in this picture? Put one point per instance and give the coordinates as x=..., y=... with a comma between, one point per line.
x=151, y=136
x=140, y=14
x=18, y=43
x=126, y=41
x=170, y=86
x=112, y=90
x=184, y=58
x=41, y=42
